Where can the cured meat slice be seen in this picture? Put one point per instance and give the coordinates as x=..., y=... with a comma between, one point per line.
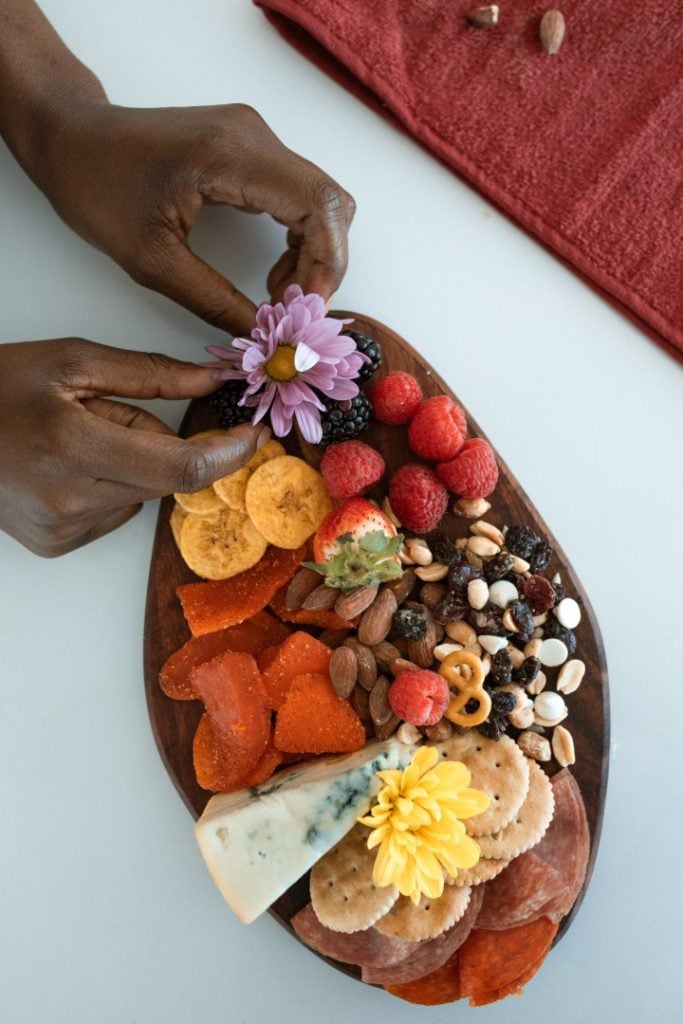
x=367, y=948
x=430, y=955
x=441, y=986
x=519, y=893
x=546, y=880
x=491, y=963
x=250, y=637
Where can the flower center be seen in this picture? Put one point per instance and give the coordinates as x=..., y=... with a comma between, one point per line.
x=281, y=366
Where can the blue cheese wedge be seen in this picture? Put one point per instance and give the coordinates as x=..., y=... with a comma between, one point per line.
x=257, y=842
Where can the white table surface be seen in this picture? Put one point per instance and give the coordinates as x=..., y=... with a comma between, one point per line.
x=106, y=911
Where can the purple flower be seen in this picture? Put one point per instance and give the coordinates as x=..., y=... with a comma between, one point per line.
x=294, y=351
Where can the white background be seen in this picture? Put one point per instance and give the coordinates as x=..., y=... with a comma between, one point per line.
x=106, y=911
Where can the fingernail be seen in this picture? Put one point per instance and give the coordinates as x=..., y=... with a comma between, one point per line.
x=264, y=436
x=328, y=304
x=210, y=366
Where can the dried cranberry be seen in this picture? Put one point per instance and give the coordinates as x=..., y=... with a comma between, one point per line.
x=459, y=576
x=539, y=594
x=497, y=567
x=540, y=556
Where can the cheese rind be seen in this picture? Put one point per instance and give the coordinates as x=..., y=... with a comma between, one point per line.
x=257, y=842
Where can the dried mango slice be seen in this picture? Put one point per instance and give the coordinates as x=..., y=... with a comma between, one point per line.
x=236, y=703
x=307, y=617
x=220, y=546
x=313, y=720
x=250, y=637
x=495, y=961
x=441, y=986
x=216, y=604
x=287, y=500
x=300, y=653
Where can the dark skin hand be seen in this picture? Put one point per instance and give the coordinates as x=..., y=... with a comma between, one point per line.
x=74, y=464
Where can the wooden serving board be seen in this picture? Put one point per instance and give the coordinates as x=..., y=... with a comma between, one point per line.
x=174, y=722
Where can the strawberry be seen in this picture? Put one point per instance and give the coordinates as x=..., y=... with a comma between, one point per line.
x=355, y=545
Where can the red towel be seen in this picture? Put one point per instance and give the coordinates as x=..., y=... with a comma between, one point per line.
x=583, y=149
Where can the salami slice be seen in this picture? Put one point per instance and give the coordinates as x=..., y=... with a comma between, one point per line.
x=367, y=948
x=428, y=955
x=545, y=881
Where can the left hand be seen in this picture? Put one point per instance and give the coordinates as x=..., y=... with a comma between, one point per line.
x=132, y=183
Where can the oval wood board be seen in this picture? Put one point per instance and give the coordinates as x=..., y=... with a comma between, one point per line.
x=174, y=722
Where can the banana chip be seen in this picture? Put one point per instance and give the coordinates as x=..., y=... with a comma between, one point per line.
x=205, y=502
x=178, y=517
x=232, y=488
x=287, y=500
x=222, y=545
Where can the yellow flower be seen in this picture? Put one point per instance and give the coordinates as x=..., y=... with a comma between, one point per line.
x=417, y=824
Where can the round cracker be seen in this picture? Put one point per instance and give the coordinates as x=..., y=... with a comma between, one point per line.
x=343, y=893
x=232, y=489
x=287, y=500
x=529, y=824
x=499, y=769
x=426, y=919
x=219, y=546
x=483, y=871
x=178, y=517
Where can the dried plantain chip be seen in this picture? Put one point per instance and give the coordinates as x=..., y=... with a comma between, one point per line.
x=232, y=488
x=178, y=517
x=219, y=546
x=287, y=500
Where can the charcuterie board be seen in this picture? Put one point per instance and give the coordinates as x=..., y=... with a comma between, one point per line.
x=174, y=722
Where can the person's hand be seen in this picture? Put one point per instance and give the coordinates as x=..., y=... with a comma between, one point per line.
x=74, y=463
x=132, y=182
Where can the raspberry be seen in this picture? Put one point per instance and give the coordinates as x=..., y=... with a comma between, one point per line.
x=350, y=468
x=417, y=497
x=473, y=473
x=419, y=697
x=438, y=429
x=395, y=398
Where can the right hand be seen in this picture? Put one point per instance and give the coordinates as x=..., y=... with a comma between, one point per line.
x=75, y=464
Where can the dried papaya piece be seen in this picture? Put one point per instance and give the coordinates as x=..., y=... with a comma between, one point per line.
x=300, y=653
x=236, y=702
x=217, y=604
x=266, y=657
x=213, y=766
x=313, y=720
x=309, y=617
x=252, y=636
x=441, y=986
x=270, y=760
x=501, y=961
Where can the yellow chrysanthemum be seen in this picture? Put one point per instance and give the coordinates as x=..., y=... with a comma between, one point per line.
x=417, y=824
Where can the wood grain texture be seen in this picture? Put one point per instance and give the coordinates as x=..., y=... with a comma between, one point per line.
x=174, y=722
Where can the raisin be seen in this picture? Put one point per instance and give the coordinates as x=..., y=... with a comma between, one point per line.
x=502, y=702
x=450, y=608
x=459, y=576
x=521, y=613
x=539, y=594
x=540, y=556
x=488, y=622
x=494, y=727
x=443, y=549
x=557, y=631
x=501, y=668
x=497, y=567
x=521, y=541
x=560, y=592
x=527, y=671
x=410, y=623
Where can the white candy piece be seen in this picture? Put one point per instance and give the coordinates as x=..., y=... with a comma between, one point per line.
x=502, y=592
x=477, y=594
x=549, y=705
x=568, y=613
x=493, y=644
x=551, y=653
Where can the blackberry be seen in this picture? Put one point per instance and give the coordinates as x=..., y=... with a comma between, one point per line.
x=501, y=668
x=497, y=567
x=224, y=404
x=557, y=631
x=520, y=540
x=370, y=348
x=410, y=623
x=540, y=556
x=346, y=419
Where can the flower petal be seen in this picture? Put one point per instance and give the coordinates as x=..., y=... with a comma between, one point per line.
x=308, y=418
x=304, y=357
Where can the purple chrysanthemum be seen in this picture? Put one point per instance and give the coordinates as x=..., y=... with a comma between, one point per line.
x=294, y=351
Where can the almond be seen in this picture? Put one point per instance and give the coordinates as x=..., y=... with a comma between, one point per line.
x=401, y=587
x=385, y=653
x=431, y=593
x=380, y=709
x=443, y=730
x=343, y=671
x=351, y=603
x=551, y=31
x=388, y=728
x=376, y=621
x=402, y=665
x=301, y=585
x=422, y=651
x=321, y=599
x=360, y=702
x=366, y=661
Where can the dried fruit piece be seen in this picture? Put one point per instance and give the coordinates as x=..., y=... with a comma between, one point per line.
x=313, y=720
x=309, y=617
x=249, y=637
x=213, y=761
x=221, y=546
x=287, y=500
x=299, y=653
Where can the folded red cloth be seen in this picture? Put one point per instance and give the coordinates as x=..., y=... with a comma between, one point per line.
x=584, y=149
